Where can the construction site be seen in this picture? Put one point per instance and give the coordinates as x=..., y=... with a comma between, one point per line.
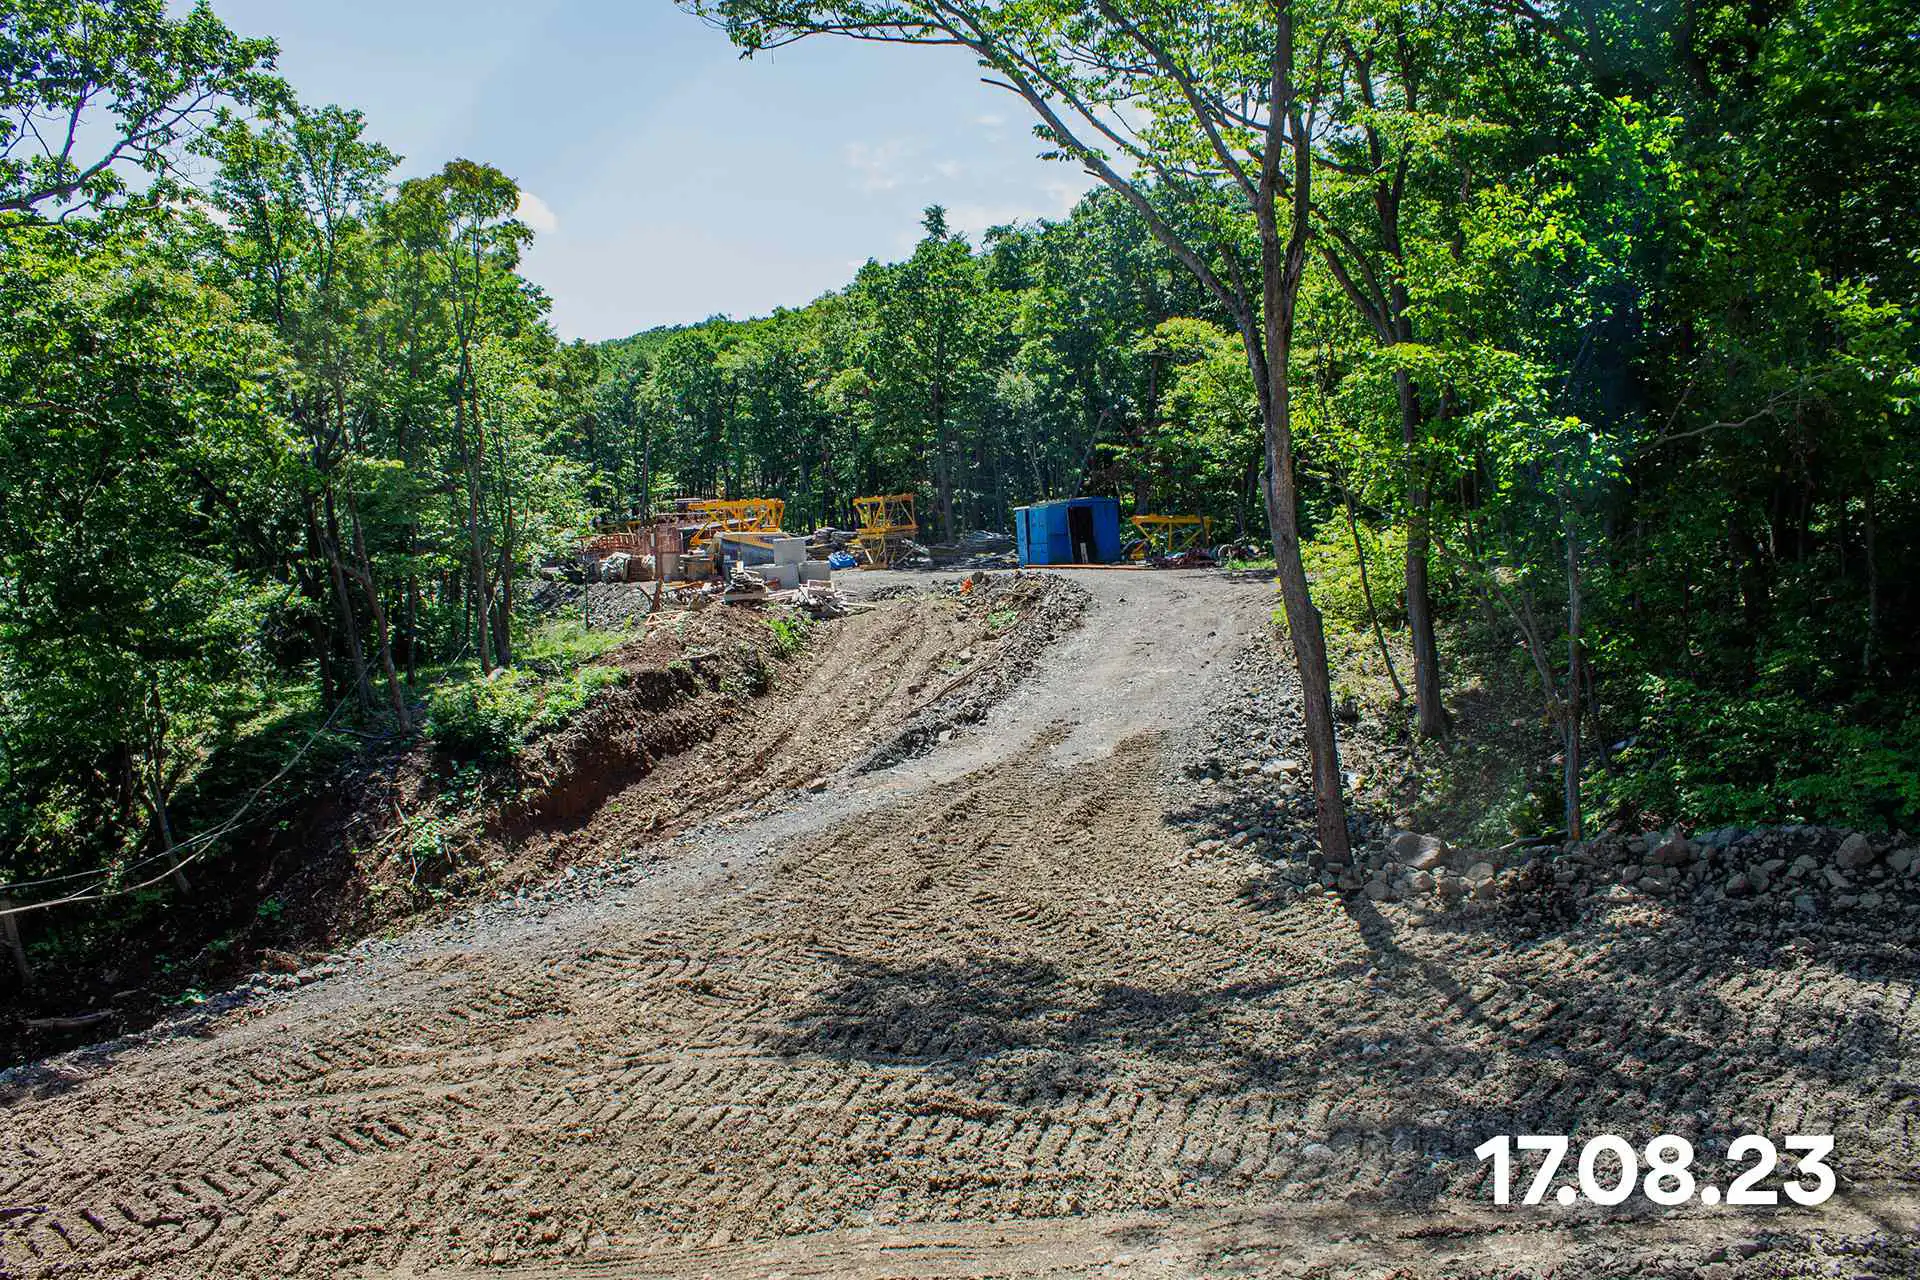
x=738, y=549
x=980, y=933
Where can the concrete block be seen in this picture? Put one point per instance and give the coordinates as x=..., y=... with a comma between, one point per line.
x=815, y=571
x=789, y=550
x=780, y=577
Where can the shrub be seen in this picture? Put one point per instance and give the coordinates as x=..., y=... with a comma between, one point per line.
x=565, y=696
x=789, y=635
x=483, y=717
x=1334, y=570
x=1772, y=756
x=488, y=718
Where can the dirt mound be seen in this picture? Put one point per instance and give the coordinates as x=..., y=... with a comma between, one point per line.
x=717, y=710
x=1024, y=613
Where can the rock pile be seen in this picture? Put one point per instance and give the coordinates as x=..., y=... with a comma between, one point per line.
x=1812, y=871
x=1249, y=805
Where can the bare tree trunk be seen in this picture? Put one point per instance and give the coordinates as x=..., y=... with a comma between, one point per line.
x=10, y=929
x=1282, y=264
x=1366, y=593
x=1430, y=709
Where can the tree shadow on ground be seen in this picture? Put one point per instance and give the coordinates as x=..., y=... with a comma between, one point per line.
x=970, y=1020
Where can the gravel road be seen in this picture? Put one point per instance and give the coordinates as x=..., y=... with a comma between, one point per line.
x=1007, y=1007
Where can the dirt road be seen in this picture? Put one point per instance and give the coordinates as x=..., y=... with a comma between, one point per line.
x=986, y=1012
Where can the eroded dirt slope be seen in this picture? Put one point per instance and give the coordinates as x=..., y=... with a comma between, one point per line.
x=984, y=1012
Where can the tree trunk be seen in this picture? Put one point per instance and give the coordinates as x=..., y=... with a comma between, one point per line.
x=1366, y=594
x=503, y=637
x=396, y=699
x=165, y=826
x=942, y=472
x=476, y=558
x=1575, y=701
x=1282, y=265
x=10, y=929
x=413, y=616
x=343, y=601
x=1873, y=591
x=1430, y=710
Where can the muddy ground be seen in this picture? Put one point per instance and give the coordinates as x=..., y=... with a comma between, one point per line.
x=1003, y=1006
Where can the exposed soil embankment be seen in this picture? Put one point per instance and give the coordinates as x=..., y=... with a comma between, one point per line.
x=716, y=710
x=1042, y=1001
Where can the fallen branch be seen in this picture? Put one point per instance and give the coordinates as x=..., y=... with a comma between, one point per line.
x=76, y=1022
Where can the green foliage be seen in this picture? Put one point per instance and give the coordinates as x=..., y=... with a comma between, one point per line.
x=484, y=717
x=789, y=635
x=153, y=80
x=1334, y=567
x=1769, y=757
x=490, y=717
x=1621, y=314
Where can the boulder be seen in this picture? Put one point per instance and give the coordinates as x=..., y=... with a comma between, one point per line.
x=1423, y=853
x=1854, y=852
x=1900, y=859
x=1677, y=852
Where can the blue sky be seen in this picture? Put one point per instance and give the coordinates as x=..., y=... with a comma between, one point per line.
x=673, y=181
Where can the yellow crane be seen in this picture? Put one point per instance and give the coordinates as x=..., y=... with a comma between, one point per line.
x=886, y=521
x=1170, y=535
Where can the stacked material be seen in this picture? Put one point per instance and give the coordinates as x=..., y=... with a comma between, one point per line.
x=744, y=584
x=820, y=600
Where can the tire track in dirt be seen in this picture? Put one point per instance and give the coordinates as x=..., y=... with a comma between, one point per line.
x=990, y=986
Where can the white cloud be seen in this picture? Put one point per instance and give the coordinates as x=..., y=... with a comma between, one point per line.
x=878, y=165
x=1054, y=198
x=218, y=216
x=991, y=120
x=973, y=220
x=533, y=211
x=949, y=169
x=1065, y=195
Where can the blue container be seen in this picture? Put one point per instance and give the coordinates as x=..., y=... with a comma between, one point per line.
x=1073, y=531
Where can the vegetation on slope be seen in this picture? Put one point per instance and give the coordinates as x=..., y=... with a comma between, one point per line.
x=1602, y=351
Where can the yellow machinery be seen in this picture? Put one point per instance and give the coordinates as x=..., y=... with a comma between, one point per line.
x=1170, y=535
x=734, y=515
x=885, y=522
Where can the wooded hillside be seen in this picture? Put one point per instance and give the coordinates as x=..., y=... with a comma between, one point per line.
x=1599, y=351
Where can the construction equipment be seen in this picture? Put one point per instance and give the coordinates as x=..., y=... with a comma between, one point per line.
x=734, y=515
x=886, y=522
x=1162, y=536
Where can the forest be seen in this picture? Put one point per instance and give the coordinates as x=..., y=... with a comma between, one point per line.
x=1569, y=343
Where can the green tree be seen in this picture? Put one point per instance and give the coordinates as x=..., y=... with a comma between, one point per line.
x=159, y=80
